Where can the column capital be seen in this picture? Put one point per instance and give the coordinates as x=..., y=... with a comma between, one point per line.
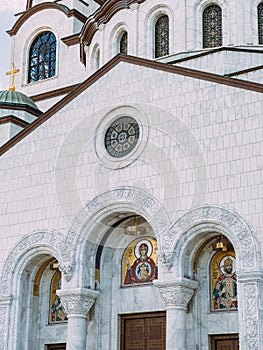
x=77, y=301
x=176, y=294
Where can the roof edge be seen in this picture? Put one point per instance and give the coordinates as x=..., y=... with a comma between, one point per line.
x=211, y=77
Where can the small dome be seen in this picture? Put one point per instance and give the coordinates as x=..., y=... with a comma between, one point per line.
x=14, y=98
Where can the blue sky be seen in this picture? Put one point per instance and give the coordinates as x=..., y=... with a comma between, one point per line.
x=7, y=10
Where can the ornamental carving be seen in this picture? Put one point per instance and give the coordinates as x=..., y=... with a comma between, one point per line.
x=77, y=302
x=252, y=319
x=138, y=198
x=177, y=294
x=218, y=216
x=52, y=240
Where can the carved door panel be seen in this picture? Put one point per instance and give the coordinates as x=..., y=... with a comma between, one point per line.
x=225, y=342
x=143, y=331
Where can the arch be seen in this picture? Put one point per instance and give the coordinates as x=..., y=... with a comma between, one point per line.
x=197, y=225
x=199, y=8
x=44, y=6
x=212, y=26
x=24, y=259
x=150, y=22
x=42, y=57
x=32, y=245
x=90, y=219
x=115, y=38
x=95, y=58
x=161, y=36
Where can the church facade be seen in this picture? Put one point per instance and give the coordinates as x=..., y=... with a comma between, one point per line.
x=131, y=176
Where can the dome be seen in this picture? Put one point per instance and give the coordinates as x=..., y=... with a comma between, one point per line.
x=9, y=99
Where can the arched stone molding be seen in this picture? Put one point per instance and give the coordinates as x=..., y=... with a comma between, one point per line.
x=227, y=31
x=30, y=252
x=115, y=36
x=211, y=218
x=32, y=245
x=88, y=229
x=251, y=8
x=194, y=228
x=150, y=19
x=95, y=58
x=27, y=47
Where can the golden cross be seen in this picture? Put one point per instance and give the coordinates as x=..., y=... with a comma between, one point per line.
x=12, y=73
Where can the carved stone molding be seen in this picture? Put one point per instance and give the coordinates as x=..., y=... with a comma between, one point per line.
x=77, y=301
x=252, y=323
x=219, y=216
x=137, y=198
x=176, y=294
x=53, y=243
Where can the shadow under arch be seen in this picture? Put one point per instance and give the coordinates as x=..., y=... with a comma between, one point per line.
x=21, y=267
x=198, y=224
x=91, y=223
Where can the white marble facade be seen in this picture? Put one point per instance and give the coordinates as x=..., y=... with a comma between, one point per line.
x=195, y=175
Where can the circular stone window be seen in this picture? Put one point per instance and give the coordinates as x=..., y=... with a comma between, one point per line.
x=121, y=137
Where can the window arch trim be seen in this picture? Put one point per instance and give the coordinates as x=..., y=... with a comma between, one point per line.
x=161, y=36
x=42, y=56
x=212, y=27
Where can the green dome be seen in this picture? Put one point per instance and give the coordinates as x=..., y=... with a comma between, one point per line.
x=14, y=98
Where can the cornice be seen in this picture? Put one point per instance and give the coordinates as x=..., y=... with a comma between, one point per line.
x=53, y=93
x=103, y=15
x=14, y=120
x=215, y=78
x=45, y=6
x=21, y=107
x=71, y=40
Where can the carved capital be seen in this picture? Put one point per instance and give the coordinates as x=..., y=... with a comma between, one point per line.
x=134, y=6
x=176, y=294
x=77, y=301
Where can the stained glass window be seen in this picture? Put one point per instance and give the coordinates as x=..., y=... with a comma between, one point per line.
x=121, y=137
x=124, y=43
x=212, y=26
x=260, y=23
x=42, y=57
x=162, y=36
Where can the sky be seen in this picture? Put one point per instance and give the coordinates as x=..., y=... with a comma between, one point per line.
x=7, y=10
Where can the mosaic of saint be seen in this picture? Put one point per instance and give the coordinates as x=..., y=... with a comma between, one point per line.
x=224, y=282
x=57, y=312
x=140, y=262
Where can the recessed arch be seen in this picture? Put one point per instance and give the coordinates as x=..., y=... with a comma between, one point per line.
x=150, y=22
x=210, y=221
x=89, y=226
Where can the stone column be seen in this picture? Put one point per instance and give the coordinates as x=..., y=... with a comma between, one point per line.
x=77, y=303
x=250, y=311
x=176, y=296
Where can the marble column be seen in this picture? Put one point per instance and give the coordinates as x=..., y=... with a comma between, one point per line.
x=77, y=303
x=176, y=296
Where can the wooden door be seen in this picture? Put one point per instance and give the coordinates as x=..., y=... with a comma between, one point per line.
x=56, y=347
x=143, y=331
x=225, y=342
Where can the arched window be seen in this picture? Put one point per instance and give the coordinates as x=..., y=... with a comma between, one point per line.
x=260, y=23
x=212, y=26
x=97, y=58
x=42, y=57
x=124, y=43
x=162, y=36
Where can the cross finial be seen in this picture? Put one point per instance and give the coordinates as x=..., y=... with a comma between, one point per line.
x=12, y=73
